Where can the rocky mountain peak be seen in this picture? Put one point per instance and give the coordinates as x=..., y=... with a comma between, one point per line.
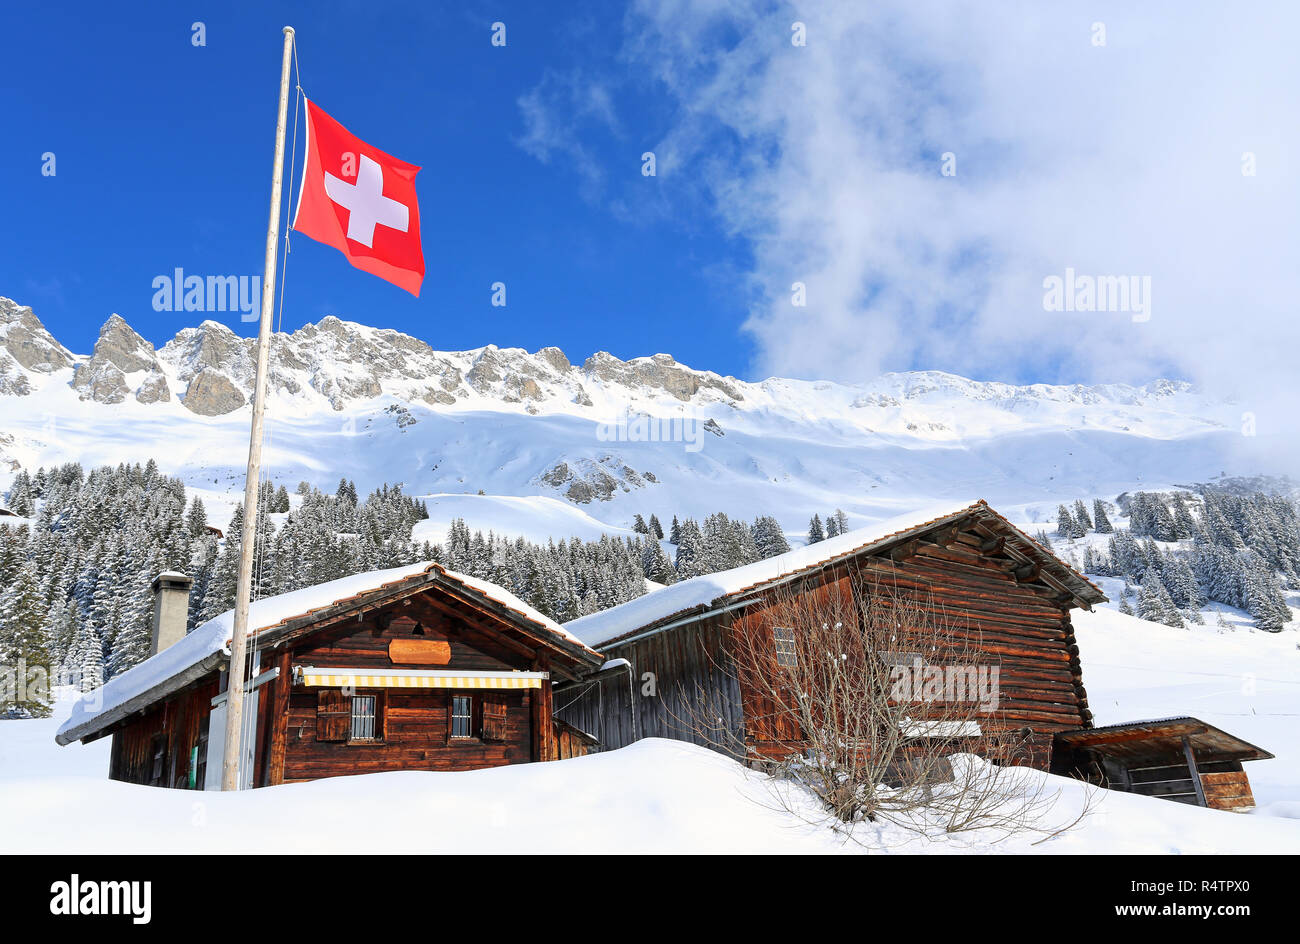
x=105, y=376
x=25, y=342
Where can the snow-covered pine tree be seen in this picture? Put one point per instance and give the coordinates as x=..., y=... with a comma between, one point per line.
x=91, y=650
x=1100, y=520
x=656, y=529
x=769, y=539
x=690, y=549
x=1154, y=603
x=1066, y=526
x=815, y=532
x=1184, y=526
x=24, y=647
x=655, y=564
x=1081, y=516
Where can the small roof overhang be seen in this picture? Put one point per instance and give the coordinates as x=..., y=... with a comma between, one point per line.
x=1138, y=742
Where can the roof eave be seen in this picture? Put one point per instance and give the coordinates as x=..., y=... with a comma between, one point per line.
x=1083, y=590
x=142, y=701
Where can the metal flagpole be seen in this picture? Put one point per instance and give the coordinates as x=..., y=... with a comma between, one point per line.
x=239, y=634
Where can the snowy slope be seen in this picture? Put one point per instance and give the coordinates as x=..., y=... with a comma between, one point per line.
x=376, y=405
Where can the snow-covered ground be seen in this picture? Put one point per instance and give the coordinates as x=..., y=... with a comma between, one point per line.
x=662, y=796
x=536, y=518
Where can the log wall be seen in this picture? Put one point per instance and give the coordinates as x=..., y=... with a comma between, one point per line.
x=177, y=724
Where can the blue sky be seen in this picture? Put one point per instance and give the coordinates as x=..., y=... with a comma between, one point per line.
x=1102, y=137
x=163, y=155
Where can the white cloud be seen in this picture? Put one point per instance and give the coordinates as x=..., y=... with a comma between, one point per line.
x=1116, y=160
x=1119, y=160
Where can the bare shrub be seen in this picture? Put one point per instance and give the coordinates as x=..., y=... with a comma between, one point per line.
x=876, y=701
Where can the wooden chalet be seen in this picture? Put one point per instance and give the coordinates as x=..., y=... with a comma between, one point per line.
x=417, y=668
x=969, y=560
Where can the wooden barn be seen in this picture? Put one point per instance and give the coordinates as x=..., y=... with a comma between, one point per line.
x=671, y=651
x=417, y=668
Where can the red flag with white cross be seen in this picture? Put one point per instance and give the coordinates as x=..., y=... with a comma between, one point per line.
x=361, y=201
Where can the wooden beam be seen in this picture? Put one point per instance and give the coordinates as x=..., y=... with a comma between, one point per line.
x=543, y=706
x=1196, y=774
x=279, y=720
x=904, y=550
x=494, y=630
x=1027, y=573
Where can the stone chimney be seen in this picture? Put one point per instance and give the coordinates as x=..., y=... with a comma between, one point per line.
x=171, y=607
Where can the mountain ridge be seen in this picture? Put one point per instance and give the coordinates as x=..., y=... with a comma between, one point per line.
x=610, y=436
x=209, y=369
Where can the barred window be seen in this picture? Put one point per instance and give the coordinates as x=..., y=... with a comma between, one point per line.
x=462, y=716
x=783, y=637
x=363, y=718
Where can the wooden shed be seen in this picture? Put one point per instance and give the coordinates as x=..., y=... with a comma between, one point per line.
x=417, y=668
x=1180, y=759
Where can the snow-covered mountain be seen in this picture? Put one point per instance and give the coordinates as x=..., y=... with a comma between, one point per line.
x=607, y=437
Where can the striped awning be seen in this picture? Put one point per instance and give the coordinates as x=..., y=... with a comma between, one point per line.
x=415, y=678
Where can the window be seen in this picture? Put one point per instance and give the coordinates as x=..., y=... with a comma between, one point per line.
x=783, y=637
x=462, y=716
x=363, y=718
x=199, y=762
x=351, y=719
x=158, y=755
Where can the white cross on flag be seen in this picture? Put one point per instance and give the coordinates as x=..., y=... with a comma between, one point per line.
x=361, y=201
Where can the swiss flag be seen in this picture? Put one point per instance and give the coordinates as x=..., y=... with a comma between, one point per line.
x=361, y=201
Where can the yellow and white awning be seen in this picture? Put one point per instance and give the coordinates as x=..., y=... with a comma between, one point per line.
x=414, y=678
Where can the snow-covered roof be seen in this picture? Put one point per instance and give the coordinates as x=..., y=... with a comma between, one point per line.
x=710, y=589
x=200, y=651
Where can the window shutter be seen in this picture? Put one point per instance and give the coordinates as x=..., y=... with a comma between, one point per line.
x=333, y=715
x=494, y=719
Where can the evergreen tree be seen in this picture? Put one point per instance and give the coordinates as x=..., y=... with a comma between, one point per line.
x=1066, y=526
x=91, y=652
x=656, y=529
x=690, y=551
x=1101, y=521
x=815, y=532
x=769, y=539
x=656, y=565
x=841, y=521
x=24, y=647
x=1081, y=517
x=1155, y=605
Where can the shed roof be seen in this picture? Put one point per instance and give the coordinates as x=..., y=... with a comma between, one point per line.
x=208, y=645
x=1136, y=742
x=700, y=594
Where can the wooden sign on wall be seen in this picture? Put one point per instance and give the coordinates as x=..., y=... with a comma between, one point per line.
x=419, y=651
